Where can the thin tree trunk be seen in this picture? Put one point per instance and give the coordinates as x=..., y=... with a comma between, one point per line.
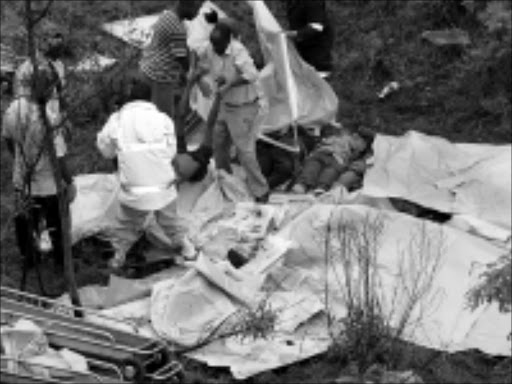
x=63, y=204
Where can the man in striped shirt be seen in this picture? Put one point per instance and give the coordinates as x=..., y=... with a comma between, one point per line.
x=165, y=59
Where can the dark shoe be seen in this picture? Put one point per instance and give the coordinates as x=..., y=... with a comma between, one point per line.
x=319, y=191
x=263, y=199
x=236, y=259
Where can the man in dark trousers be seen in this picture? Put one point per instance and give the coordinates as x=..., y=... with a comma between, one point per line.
x=310, y=29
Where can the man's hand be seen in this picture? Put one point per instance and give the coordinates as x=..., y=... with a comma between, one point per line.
x=221, y=91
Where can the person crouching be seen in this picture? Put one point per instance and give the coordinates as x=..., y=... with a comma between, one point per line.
x=142, y=138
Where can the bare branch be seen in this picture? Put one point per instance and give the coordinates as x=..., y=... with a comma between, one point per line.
x=43, y=13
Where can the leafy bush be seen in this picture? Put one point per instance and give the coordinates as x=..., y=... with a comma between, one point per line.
x=496, y=286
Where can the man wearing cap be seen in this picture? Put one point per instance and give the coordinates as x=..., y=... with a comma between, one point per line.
x=142, y=139
x=230, y=64
x=165, y=59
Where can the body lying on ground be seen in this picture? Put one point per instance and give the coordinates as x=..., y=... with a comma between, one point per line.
x=338, y=157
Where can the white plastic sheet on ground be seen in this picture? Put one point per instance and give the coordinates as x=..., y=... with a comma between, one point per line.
x=189, y=310
x=471, y=180
x=447, y=324
x=247, y=357
x=441, y=319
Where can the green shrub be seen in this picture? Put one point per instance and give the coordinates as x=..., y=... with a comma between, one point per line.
x=496, y=285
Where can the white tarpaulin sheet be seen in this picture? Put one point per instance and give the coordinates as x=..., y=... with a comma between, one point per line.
x=465, y=179
x=408, y=248
x=294, y=90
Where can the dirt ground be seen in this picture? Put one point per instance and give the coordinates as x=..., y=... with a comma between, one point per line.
x=462, y=94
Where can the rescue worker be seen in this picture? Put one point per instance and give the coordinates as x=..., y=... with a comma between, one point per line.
x=143, y=140
x=236, y=76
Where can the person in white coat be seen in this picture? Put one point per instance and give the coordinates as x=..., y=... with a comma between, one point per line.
x=142, y=139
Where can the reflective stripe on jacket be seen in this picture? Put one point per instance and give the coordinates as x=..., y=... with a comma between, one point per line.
x=145, y=145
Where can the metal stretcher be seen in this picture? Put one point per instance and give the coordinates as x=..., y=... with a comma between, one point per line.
x=126, y=357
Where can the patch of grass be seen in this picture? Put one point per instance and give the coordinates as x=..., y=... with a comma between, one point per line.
x=258, y=322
